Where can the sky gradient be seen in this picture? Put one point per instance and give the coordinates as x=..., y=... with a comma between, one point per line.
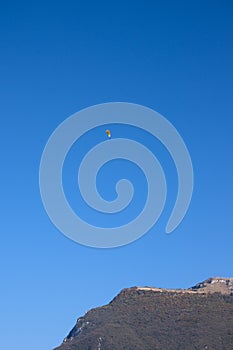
x=57, y=58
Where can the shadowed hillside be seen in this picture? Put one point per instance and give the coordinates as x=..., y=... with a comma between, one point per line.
x=147, y=318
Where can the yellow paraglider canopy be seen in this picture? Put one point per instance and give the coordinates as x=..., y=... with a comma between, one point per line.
x=108, y=132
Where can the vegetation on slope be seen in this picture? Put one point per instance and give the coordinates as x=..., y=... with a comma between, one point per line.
x=140, y=319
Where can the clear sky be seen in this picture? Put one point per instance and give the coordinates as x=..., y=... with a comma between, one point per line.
x=59, y=57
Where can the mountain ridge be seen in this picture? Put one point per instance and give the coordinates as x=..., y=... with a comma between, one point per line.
x=151, y=318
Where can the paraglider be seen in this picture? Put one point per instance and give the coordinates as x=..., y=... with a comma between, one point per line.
x=108, y=132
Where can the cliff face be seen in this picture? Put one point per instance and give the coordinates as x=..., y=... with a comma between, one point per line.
x=215, y=285
x=147, y=318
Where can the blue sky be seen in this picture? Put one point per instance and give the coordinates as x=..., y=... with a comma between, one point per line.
x=59, y=57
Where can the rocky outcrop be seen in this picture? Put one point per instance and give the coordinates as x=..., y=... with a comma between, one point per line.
x=215, y=285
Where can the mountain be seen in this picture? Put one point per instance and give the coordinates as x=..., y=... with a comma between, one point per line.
x=148, y=318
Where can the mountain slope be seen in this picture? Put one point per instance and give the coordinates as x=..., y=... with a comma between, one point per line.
x=146, y=318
